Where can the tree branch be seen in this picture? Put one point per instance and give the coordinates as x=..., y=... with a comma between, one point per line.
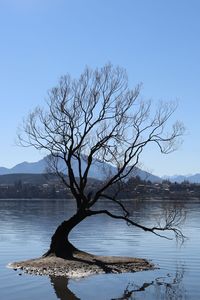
x=167, y=227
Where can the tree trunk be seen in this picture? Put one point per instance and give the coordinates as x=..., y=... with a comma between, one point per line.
x=60, y=245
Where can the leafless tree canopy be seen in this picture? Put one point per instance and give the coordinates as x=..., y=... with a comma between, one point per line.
x=97, y=117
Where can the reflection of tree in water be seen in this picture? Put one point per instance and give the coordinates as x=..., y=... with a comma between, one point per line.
x=172, y=290
x=164, y=288
x=129, y=293
x=169, y=288
x=60, y=285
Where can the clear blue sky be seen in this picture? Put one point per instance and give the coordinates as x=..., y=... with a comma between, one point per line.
x=157, y=41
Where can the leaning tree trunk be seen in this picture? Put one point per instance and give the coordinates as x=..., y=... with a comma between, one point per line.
x=60, y=245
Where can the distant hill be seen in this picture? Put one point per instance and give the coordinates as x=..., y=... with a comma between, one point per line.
x=25, y=178
x=180, y=178
x=98, y=170
x=26, y=167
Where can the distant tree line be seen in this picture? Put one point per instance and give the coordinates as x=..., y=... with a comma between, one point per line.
x=133, y=188
x=20, y=190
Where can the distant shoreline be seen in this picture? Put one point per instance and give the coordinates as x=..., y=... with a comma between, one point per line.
x=145, y=199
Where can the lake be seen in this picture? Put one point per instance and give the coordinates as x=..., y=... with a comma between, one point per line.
x=25, y=231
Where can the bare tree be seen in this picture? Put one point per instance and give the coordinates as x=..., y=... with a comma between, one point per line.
x=98, y=118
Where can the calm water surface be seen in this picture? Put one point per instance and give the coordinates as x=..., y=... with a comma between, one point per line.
x=26, y=227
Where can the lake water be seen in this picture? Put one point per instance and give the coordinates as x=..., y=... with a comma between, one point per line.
x=26, y=227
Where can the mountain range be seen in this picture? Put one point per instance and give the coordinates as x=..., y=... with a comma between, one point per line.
x=98, y=170
x=195, y=178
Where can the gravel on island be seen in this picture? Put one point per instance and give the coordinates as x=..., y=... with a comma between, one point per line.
x=82, y=265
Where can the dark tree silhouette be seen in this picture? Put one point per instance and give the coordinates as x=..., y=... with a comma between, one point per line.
x=60, y=285
x=97, y=118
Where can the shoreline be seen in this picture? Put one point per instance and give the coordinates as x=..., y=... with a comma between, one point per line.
x=82, y=265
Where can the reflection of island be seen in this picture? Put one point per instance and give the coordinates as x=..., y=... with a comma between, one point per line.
x=168, y=287
x=60, y=286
